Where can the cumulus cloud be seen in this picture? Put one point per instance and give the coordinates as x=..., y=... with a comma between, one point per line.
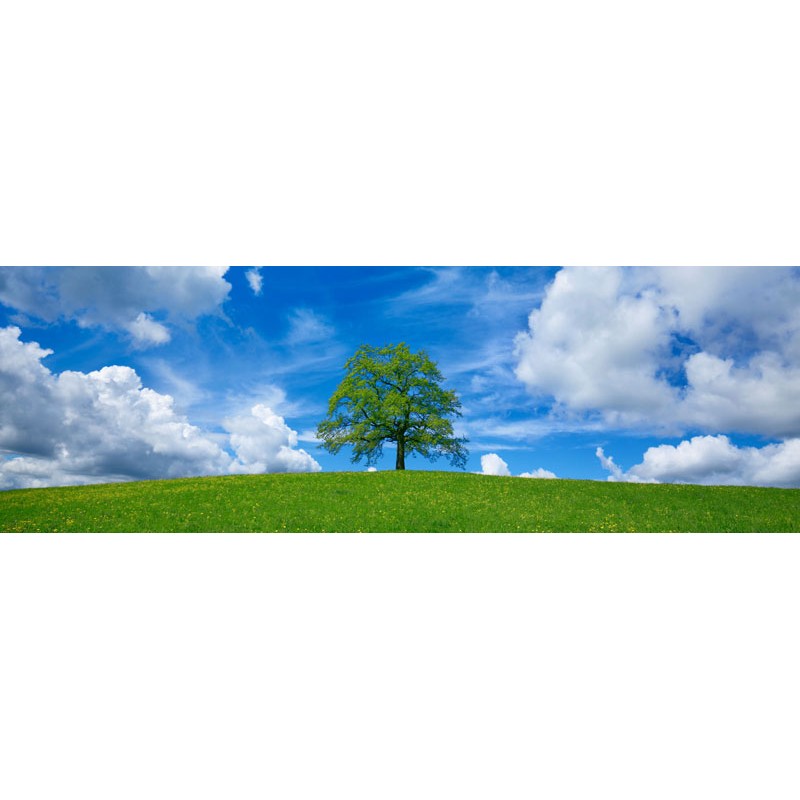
x=27, y=388
x=715, y=461
x=760, y=396
x=492, y=464
x=75, y=427
x=714, y=349
x=145, y=330
x=78, y=427
x=255, y=279
x=594, y=346
x=134, y=300
x=263, y=442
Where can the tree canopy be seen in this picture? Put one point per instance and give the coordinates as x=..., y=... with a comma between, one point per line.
x=390, y=394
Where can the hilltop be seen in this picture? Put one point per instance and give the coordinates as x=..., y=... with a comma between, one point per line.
x=397, y=501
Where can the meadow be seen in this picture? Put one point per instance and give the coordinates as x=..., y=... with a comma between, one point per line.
x=396, y=501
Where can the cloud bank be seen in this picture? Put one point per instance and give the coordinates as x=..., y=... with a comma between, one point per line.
x=75, y=428
x=713, y=461
x=141, y=302
x=678, y=349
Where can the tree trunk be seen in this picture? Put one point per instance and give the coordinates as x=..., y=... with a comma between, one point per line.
x=401, y=454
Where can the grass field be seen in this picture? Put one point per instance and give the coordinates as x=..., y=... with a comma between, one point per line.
x=397, y=501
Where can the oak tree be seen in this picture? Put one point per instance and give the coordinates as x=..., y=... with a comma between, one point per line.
x=390, y=394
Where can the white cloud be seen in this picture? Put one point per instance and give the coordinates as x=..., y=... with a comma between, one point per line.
x=609, y=465
x=760, y=396
x=492, y=464
x=618, y=475
x=145, y=330
x=80, y=427
x=75, y=427
x=310, y=436
x=185, y=391
x=487, y=294
x=714, y=460
x=716, y=349
x=306, y=327
x=539, y=473
x=372, y=469
x=122, y=299
x=255, y=279
x=263, y=442
x=472, y=308
x=592, y=346
x=27, y=388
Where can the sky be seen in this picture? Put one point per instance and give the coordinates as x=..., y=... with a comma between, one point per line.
x=641, y=374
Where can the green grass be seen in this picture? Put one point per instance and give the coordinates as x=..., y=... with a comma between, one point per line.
x=397, y=501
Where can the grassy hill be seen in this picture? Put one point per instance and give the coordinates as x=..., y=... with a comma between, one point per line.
x=397, y=501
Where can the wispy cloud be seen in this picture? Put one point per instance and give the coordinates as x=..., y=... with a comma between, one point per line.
x=483, y=293
x=307, y=327
x=470, y=317
x=522, y=431
x=244, y=397
x=255, y=279
x=185, y=391
x=309, y=436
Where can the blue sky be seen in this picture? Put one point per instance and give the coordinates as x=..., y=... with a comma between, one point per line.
x=608, y=373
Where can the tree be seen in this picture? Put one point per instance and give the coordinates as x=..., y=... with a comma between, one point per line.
x=390, y=394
